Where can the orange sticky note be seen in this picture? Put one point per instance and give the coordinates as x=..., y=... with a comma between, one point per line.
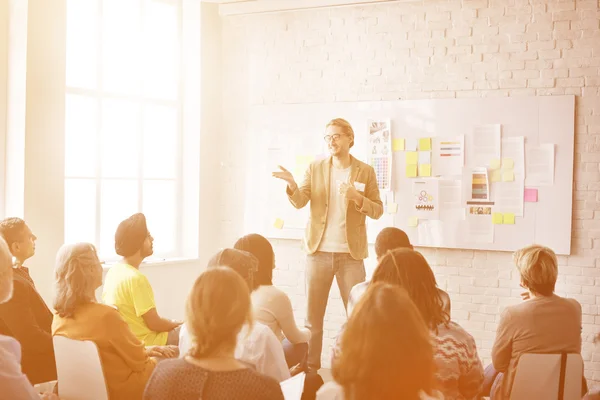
x=278, y=223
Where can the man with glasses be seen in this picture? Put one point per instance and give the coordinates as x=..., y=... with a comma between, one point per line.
x=342, y=191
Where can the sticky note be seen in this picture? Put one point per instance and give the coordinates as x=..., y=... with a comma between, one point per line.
x=411, y=171
x=413, y=221
x=531, y=195
x=508, y=163
x=392, y=208
x=509, y=218
x=496, y=175
x=508, y=176
x=425, y=144
x=497, y=218
x=424, y=157
x=412, y=157
x=397, y=144
x=278, y=223
x=495, y=164
x=411, y=144
x=425, y=170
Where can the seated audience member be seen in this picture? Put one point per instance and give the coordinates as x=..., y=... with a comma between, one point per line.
x=386, y=351
x=126, y=363
x=129, y=290
x=256, y=344
x=26, y=317
x=271, y=305
x=389, y=239
x=543, y=323
x=459, y=373
x=217, y=309
x=13, y=383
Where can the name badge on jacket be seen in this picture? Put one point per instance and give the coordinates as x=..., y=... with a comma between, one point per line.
x=359, y=186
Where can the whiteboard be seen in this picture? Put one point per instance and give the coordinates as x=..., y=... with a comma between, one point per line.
x=286, y=133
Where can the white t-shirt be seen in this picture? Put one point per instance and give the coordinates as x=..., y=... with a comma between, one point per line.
x=259, y=347
x=334, y=238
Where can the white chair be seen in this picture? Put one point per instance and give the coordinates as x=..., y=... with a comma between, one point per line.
x=79, y=370
x=545, y=376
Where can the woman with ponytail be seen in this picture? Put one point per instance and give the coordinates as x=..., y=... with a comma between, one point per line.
x=126, y=363
x=217, y=309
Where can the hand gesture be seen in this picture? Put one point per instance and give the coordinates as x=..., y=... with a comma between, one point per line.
x=349, y=191
x=287, y=176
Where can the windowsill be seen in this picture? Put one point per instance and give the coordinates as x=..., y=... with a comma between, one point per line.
x=155, y=263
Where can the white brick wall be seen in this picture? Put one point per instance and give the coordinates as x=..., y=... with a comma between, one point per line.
x=430, y=49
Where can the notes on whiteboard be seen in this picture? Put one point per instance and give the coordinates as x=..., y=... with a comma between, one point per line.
x=278, y=224
x=531, y=195
x=397, y=144
x=424, y=170
x=411, y=144
x=426, y=201
x=425, y=144
x=540, y=165
x=484, y=145
x=448, y=156
x=413, y=222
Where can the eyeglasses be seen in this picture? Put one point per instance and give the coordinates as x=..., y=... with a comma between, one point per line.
x=334, y=137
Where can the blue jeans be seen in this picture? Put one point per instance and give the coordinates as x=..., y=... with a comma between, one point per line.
x=321, y=267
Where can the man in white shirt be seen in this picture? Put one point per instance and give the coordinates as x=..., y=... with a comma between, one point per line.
x=342, y=192
x=256, y=344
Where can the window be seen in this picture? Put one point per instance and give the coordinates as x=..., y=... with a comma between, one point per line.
x=123, y=139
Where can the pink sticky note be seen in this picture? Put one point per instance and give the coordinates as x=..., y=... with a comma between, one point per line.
x=531, y=195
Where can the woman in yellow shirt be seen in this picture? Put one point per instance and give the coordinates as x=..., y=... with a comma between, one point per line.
x=125, y=361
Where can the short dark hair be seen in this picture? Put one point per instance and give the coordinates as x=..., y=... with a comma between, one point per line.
x=389, y=239
x=11, y=229
x=260, y=248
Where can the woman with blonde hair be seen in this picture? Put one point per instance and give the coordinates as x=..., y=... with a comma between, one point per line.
x=542, y=323
x=126, y=363
x=386, y=351
x=217, y=309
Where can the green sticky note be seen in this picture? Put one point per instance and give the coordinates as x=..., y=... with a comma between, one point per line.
x=413, y=221
x=392, y=208
x=411, y=171
x=398, y=145
x=425, y=144
x=509, y=219
x=412, y=157
x=508, y=163
x=278, y=223
x=497, y=218
x=495, y=164
x=508, y=176
x=425, y=170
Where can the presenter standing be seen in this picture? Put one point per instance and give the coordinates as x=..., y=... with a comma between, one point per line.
x=342, y=192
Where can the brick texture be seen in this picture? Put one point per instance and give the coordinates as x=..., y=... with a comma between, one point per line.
x=431, y=49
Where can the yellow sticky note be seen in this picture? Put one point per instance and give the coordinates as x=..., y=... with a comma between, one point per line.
x=412, y=157
x=508, y=163
x=508, y=176
x=397, y=144
x=495, y=164
x=425, y=170
x=411, y=171
x=413, y=221
x=496, y=175
x=425, y=144
x=497, y=218
x=509, y=219
x=392, y=208
x=278, y=223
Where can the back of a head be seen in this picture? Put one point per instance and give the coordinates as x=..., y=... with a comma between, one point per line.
x=538, y=267
x=216, y=310
x=409, y=269
x=130, y=235
x=77, y=275
x=242, y=262
x=11, y=230
x=389, y=239
x=260, y=248
x=386, y=350
x=6, y=272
